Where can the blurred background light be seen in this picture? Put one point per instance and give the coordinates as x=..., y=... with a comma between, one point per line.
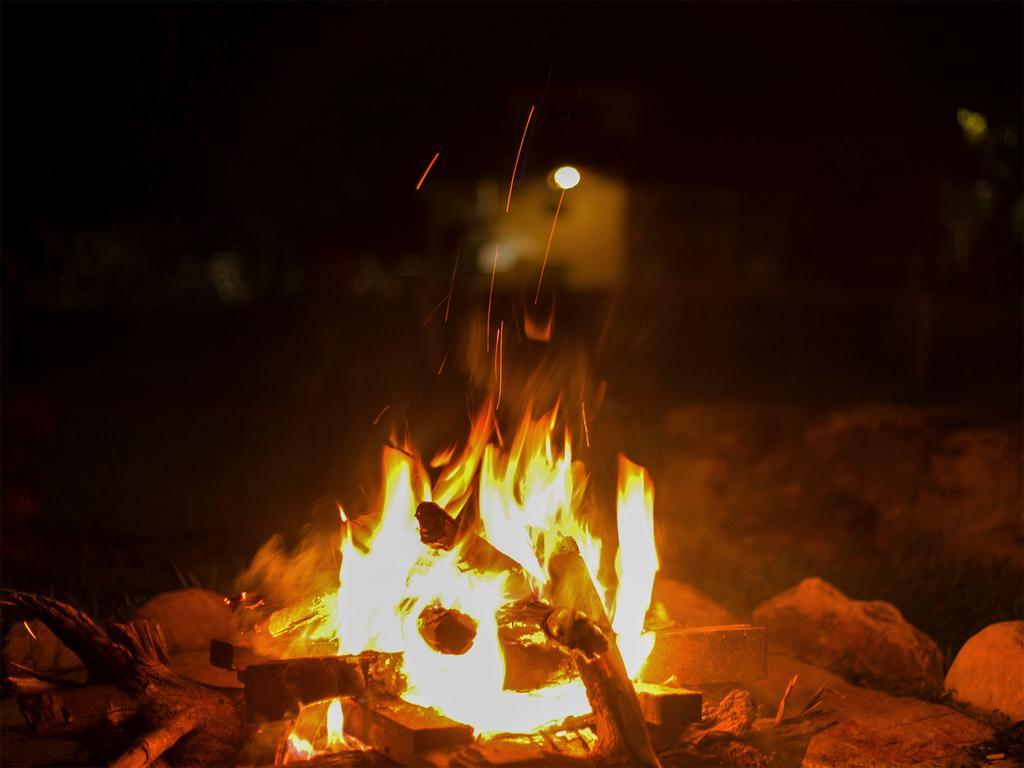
x=566, y=177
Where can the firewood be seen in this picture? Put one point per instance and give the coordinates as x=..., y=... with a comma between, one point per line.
x=245, y=650
x=560, y=749
x=66, y=712
x=705, y=655
x=276, y=690
x=447, y=630
x=439, y=531
x=234, y=655
x=532, y=659
x=672, y=708
x=350, y=759
x=176, y=720
x=621, y=731
x=402, y=731
x=571, y=584
x=305, y=613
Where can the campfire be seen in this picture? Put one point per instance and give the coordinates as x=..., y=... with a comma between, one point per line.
x=476, y=605
x=478, y=618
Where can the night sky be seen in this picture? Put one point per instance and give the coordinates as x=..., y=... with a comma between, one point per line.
x=315, y=118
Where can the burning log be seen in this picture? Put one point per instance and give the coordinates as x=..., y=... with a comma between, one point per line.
x=621, y=731
x=277, y=690
x=439, y=531
x=312, y=610
x=532, y=660
x=447, y=630
x=131, y=692
x=403, y=731
x=571, y=584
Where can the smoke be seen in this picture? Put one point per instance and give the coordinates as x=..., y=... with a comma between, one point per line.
x=286, y=576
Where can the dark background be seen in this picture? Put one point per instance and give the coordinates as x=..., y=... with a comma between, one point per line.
x=164, y=413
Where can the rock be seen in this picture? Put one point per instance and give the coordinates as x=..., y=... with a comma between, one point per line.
x=190, y=618
x=686, y=605
x=867, y=642
x=32, y=645
x=988, y=673
x=872, y=728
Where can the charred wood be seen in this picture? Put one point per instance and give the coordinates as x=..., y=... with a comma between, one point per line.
x=439, y=531
x=402, y=731
x=277, y=690
x=447, y=630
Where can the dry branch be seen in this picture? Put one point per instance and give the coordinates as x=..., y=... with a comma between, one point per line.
x=621, y=731
x=132, y=692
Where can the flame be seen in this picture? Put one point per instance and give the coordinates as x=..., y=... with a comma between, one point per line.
x=335, y=725
x=528, y=496
x=637, y=549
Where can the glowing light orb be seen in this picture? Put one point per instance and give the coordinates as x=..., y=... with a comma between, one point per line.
x=566, y=177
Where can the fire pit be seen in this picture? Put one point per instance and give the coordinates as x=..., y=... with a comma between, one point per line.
x=473, y=604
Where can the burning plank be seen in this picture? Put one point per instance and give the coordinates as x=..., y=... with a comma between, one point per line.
x=532, y=660
x=239, y=654
x=402, y=731
x=276, y=690
x=706, y=655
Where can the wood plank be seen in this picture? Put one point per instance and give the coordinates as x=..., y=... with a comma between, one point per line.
x=239, y=653
x=233, y=655
x=670, y=707
x=277, y=690
x=402, y=731
x=705, y=655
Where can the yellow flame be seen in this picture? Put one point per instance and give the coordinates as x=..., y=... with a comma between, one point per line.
x=335, y=725
x=299, y=748
x=528, y=496
x=636, y=562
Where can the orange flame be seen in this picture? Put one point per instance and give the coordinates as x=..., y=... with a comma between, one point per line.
x=528, y=495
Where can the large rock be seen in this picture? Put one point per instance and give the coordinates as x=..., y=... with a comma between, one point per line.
x=873, y=728
x=988, y=673
x=189, y=618
x=867, y=642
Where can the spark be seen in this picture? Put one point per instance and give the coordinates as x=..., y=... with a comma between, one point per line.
x=341, y=513
x=451, y=286
x=490, y=296
x=429, y=166
x=586, y=427
x=497, y=432
x=382, y=412
x=443, y=361
x=551, y=236
x=29, y=630
x=515, y=166
x=432, y=313
x=499, y=344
